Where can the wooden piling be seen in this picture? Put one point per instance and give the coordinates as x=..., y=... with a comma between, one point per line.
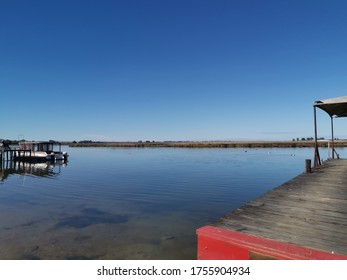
x=1, y=158
x=308, y=166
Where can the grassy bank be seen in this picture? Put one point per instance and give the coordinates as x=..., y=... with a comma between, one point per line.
x=212, y=144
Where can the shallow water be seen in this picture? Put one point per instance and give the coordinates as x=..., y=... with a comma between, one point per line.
x=132, y=203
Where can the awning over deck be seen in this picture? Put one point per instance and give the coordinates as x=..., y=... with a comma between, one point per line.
x=335, y=107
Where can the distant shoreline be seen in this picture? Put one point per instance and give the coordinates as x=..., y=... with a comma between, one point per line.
x=211, y=144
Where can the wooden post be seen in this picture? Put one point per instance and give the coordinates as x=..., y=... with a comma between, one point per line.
x=2, y=158
x=308, y=166
x=317, y=161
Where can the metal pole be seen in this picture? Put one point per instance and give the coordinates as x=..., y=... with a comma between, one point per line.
x=316, y=152
x=332, y=137
x=329, y=149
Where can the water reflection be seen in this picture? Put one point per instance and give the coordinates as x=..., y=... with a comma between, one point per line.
x=43, y=169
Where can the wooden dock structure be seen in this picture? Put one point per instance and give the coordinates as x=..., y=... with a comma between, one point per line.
x=14, y=155
x=305, y=218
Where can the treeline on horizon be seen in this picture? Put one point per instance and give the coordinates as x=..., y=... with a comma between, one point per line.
x=294, y=143
x=209, y=144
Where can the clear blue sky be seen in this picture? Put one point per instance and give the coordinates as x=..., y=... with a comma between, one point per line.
x=169, y=69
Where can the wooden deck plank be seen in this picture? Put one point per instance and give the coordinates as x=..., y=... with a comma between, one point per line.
x=307, y=213
x=287, y=234
x=310, y=211
x=330, y=210
x=293, y=223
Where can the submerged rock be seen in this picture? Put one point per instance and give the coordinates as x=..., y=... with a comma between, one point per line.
x=35, y=248
x=168, y=237
x=90, y=216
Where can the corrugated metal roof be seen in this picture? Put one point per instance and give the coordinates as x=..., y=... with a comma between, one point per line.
x=335, y=107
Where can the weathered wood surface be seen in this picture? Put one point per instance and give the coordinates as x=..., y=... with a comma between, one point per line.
x=309, y=210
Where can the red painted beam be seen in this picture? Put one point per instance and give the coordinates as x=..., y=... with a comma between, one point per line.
x=221, y=244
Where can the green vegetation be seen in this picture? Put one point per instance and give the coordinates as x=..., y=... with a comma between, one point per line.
x=295, y=143
x=209, y=144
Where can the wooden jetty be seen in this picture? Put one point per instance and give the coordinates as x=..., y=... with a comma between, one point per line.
x=14, y=155
x=32, y=151
x=305, y=218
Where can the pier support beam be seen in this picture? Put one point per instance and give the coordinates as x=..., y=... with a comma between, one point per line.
x=332, y=137
x=317, y=160
x=2, y=158
x=308, y=166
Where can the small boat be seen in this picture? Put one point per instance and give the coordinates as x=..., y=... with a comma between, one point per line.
x=40, y=151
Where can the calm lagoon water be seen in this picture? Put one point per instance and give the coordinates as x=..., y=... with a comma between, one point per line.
x=132, y=203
